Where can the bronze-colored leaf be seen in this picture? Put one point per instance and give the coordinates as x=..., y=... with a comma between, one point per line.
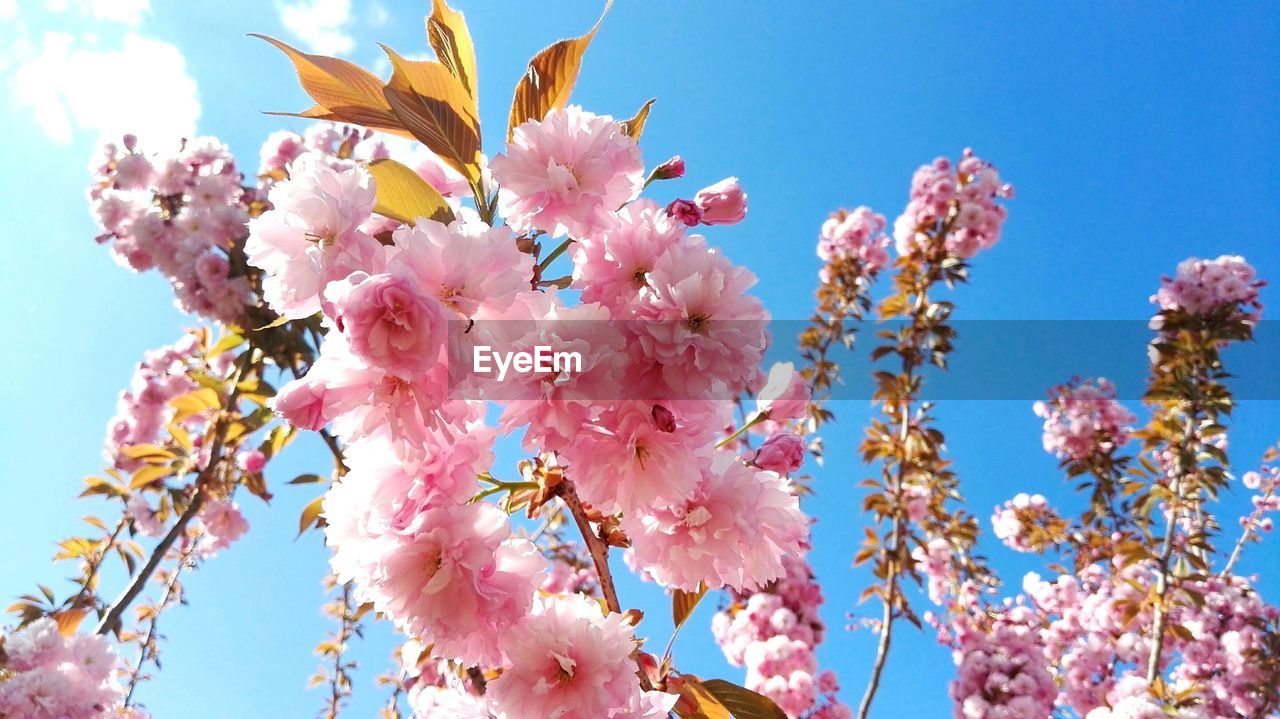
x=741, y=702
x=635, y=125
x=698, y=702
x=434, y=107
x=549, y=79
x=448, y=35
x=403, y=195
x=69, y=620
x=683, y=604
x=343, y=91
x=310, y=515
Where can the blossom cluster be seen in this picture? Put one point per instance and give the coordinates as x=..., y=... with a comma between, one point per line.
x=774, y=633
x=180, y=213
x=1202, y=286
x=1001, y=667
x=1265, y=483
x=184, y=213
x=1080, y=642
x=667, y=333
x=143, y=413
x=859, y=235
x=961, y=198
x=143, y=410
x=45, y=675
x=1082, y=418
x=1101, y=648
x=1026, y=522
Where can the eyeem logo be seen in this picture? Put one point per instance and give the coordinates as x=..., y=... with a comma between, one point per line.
x=541, y=360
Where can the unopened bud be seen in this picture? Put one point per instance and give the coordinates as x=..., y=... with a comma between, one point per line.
x=669, y=170
x=664, y=419
x=686, y=212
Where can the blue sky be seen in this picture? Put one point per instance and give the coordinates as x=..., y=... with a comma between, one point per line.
x=1136, y=134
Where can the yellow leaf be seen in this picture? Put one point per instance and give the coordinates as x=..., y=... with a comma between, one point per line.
x=149, y=474
x=310, y=515
x=434, y=107
x=635, y=125
x=194, y=403
x=404, y=196
x=344, y=91
x=226, y=344
x=448, y=35
x=146, y=451
x=549, y=79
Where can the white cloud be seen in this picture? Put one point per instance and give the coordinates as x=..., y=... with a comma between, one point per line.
x=128, y=12
x=378, y=15
x=8, y=9
x=320, y=25
x=142, y=88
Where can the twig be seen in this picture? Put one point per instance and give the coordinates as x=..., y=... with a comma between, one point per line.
x=147, y=649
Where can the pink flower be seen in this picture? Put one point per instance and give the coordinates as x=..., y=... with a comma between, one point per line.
x=252, y=461
x=1202, y=286
x=732, y=531
x=1082, y=417
x=555, y=404
x=970, y=190
x=566, y=172
x=390, y=323
x=723, y=203
x=144, y=518
x=301, y=402
x=626, y=461
x=49, y=676
x=467, y=266
x=698, y=326
x=859, y=234
x=568, y=662
x=223, y=524
x=782, y=453
x=310, y=238
x=785, y=394
x=453, y=573
x=612, y=266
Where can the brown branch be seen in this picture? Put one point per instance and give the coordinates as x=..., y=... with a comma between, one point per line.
x=112, y=618
x=598, y=549
x=600, y=558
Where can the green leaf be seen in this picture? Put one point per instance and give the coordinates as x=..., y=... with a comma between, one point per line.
x=306, y=479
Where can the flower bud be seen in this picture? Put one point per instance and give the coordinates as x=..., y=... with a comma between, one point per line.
x=301, y=403
x=685, y=211
x=252, y=461
x=664, y=419
x=782, y=453
x=723, y=203
x=669, y=170
x=785, y=395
